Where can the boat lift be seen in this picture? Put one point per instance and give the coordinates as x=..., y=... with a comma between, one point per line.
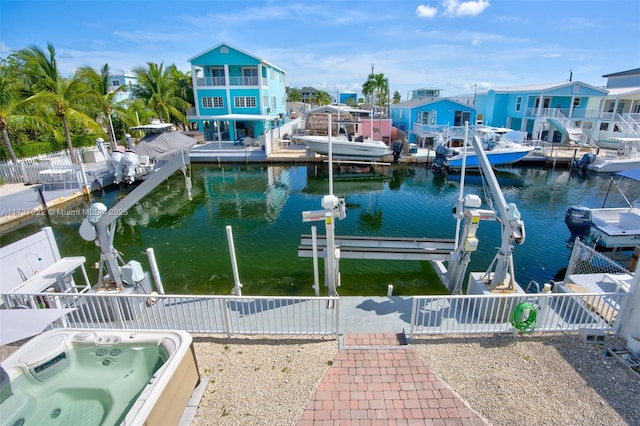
x=500, y=274
x=99, y=225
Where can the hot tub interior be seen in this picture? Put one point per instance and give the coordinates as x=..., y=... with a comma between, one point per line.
x=80, y=377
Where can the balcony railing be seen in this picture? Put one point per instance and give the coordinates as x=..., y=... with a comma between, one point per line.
x=222, y=81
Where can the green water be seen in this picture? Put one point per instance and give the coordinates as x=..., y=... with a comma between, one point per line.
x=264, y=205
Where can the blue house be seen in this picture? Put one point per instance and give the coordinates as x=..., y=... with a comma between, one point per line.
x=236, y=94
x=560, y=112
x=424, y=118
x=119, y=79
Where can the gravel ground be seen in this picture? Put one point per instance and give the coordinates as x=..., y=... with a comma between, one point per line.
x=544, y=379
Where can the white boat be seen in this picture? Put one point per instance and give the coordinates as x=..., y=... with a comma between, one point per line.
x=500, y=150
x=625, y=157
x=607, y=228
x=135, y=162
x=344, y=147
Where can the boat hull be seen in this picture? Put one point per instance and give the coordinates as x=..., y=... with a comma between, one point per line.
x=613, y=166
x=496, y=158
x=342, y=148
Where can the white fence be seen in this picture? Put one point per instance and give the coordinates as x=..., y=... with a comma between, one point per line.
x=228, y=315
x=45, y=169
x=554, y=312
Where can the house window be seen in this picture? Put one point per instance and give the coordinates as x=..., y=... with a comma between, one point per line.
x=273, y=103
x=212, y=102
x=217, y=77
x=250, y=76
x=115, y=83
x=518, y=103
x=424, y=117
x=244, y=101
x=576, y=102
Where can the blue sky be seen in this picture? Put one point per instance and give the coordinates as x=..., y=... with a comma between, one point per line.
x=452, y=45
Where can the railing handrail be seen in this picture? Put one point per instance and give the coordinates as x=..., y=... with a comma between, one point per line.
x=217, y=314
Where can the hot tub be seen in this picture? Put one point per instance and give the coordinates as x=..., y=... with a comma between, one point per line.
x=105, y=377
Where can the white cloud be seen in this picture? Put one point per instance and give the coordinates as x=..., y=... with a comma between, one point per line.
x=476, y=41
x=456, y=8
x=426, y=11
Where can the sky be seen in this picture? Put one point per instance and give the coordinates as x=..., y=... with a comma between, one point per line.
x=457, y=46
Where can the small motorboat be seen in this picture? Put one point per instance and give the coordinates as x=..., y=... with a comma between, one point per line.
x=499, y=150
x=343, y=146
x=607, y=228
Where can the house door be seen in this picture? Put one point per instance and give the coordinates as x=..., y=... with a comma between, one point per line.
x=461, y=117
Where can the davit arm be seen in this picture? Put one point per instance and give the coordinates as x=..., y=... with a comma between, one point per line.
x=512, y=227
x=105, y=219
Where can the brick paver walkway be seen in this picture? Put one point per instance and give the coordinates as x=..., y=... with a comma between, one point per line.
x=374, y=379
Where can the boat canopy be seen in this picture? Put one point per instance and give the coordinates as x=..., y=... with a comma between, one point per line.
x=631, y=174
x=158, y=145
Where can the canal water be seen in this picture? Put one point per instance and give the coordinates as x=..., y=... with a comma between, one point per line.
x=264, y=205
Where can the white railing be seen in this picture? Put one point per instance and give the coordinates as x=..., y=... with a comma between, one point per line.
x=222, y=81
x=555, y=312
x=229, y=315
x=27, y=170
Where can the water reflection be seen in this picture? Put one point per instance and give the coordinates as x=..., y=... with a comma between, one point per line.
x=246, y=193
x=263, y=204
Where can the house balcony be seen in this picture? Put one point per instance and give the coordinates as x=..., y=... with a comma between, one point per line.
x=590, y=114
x=232, y=81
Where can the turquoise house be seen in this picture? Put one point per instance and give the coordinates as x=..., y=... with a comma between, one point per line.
x=424, y=118
x=561, y=112
x=236, y=94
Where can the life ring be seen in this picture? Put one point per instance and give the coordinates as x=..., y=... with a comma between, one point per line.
x=523, y=317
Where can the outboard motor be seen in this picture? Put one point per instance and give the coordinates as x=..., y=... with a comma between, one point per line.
x=129, y=164
x=443, y=153
x=578, y=220
x=583, y=163
x=116, y=158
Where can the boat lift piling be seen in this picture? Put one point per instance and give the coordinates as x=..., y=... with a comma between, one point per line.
x=155, y=271
x=237, y=288
x=316, y=274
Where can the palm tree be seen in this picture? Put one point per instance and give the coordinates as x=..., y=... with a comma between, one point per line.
x=293, y=94
x=7, y=106
x=378, y=85
x=160, y=91
x=184, y=84
x=69, y=99
x=14, y=112
x=322, y=98
x=106, y=98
